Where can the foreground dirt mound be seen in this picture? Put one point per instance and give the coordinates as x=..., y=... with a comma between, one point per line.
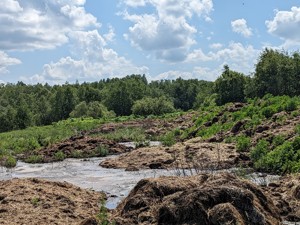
x=203, y=199
x=34, y=201
x=286, y=195
x=79, y=147
x=190, y=154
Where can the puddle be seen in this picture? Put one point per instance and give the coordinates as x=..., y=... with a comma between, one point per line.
x=133, y=144
x=116, y=183
x=86, y=174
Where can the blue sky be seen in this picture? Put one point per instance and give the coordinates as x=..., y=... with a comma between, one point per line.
x=58, y=41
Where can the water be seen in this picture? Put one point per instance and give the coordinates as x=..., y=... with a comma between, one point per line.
x=86, y=174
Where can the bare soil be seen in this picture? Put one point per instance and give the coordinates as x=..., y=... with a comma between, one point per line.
x=39, y=202
x=286, y=195
x=190, y=154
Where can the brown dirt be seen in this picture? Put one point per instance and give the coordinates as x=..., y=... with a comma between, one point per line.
x=202, y=199
x=152, y=127
x=189, y=154
x=286, y=196
x=35, y=201
x=81, y=146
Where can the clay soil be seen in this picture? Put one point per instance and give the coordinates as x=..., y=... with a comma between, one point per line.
x=39, y=202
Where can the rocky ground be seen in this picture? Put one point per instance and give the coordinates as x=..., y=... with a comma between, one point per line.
x=39, y=202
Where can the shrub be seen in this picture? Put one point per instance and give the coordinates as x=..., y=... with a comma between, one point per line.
x=268, y=111
x=152, y=106
x=243, y=144
x=278, y=140
x=260, y=150
x=59, y=156
x=168, y=139
x=101, y=151
x=34, y=159
x=10, y=162
x=291, y=105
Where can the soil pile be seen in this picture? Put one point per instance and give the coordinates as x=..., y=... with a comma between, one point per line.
x=202, y=199
x=34, y=201
x=152, y=127
x=286, y=196
x=79, y=147
x=190, y=154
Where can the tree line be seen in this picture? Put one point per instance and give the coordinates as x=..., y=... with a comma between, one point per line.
x=22, y=105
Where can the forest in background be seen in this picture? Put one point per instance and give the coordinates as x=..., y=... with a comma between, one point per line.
x=22, y=105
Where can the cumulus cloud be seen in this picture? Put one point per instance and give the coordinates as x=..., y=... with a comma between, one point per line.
x=167, y=33
x=286, y=25
x=216, y=46
x=240, y=26
x=45, y=24
x=236, y=55
x=91, y=60
x=6, y=61
x=201, y=73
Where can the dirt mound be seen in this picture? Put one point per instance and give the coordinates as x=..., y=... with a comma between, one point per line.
x=203, y=199
x=286, y=196
x=78, y=147
x=152, y=127
x=34, y=201
x=190, y=154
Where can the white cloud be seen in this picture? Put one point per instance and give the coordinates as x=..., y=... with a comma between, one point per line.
x=92, y=60
x=201, y=73
x=216, y=46
x=286, y=25
x=167, y=34
x=44, y=24
x=198, y=55
x=135, y=3
x=240, y=26
x=237, y=56
x=110, y=35
x=6, y=61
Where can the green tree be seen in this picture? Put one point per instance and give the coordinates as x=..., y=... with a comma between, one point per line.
x=230, y=87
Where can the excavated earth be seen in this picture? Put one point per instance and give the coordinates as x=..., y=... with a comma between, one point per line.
x=203, y=199
x=152, y=127
x=190, y=154
x=40, y=202
x=285, y=194
x=81, y=146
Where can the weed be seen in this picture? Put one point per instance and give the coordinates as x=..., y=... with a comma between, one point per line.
x=35, y=201
x=102, y=216
x=34, y=159
x=101, y=151
x=10, y=162
x=59, y=156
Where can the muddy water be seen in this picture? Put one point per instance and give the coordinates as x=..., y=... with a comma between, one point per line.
x=85, y=174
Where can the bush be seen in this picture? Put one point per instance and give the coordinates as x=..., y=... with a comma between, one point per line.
x=260, y=150
x=168, y=139
x=34, y=159
x=101, y=151
x=59, y=156
x=268, y=112
x=243, y=144
x=152, y=106
x=10, y=162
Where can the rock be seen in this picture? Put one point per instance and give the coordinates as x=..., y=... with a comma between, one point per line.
x=236, y=127
x=203, y=199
